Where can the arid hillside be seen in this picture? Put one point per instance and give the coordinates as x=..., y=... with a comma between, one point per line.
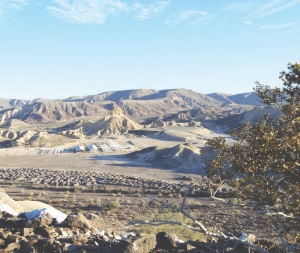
x=142, y=106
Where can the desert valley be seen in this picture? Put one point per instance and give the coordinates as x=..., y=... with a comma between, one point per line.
x=104, y=155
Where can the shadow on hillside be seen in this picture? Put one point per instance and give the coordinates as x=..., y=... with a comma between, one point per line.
x=127, y=162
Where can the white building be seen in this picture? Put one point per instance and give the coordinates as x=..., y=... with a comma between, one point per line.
x=79, y=148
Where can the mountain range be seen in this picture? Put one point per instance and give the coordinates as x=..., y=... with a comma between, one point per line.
x=140, y=105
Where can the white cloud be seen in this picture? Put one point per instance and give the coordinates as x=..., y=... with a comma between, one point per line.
x=272, y=7
x=147, y=11
x=6, y=5
x=275, y=26
x=278, y=8
x=238, y=7
x=249, y=23
x=190, y=15
x=270, y=26
x=97, y=11
x=85, y=11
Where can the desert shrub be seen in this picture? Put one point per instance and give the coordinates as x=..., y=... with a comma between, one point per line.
x=40, y=197
x=197, y=203
x=176, y=205
x=80, y=189
x=233, y=201
x=57, y=201
x=43, y=193
x=113, y=204
x=107, y=189
x=91, y=202
x=98, y=202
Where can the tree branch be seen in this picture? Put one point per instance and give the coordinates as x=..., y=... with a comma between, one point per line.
x=202, y=227
x=230, y=238
x=188, y=190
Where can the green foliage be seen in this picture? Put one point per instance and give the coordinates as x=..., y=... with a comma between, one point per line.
x=233, y=201
x=182, y=232
x=113, y=204
x=264, y=162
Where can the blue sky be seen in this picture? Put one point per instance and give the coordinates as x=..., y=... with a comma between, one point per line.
x=61, y=48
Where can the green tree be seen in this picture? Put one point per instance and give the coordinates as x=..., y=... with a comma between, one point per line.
x=263, y=164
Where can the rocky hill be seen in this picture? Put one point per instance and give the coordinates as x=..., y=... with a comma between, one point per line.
x=114, y=123
x=50, y=111
x=169, y=157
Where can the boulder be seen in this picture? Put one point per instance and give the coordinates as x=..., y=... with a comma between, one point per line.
x=26, y=231
x=45, y=231
x=28, y=250
x=140, y=244
x=41, y=221
x=165, y=241
x=77, y=220
x=12, y=246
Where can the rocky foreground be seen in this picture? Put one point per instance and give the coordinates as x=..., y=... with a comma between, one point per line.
x=46, y=229
x=76, y=234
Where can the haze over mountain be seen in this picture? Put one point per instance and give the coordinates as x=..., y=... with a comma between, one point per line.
x=9, y=103
x=249, y=98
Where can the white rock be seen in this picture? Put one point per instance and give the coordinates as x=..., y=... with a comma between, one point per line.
x=8, y=209
x=55, y=214
x=117, y=237
x=126, y=235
